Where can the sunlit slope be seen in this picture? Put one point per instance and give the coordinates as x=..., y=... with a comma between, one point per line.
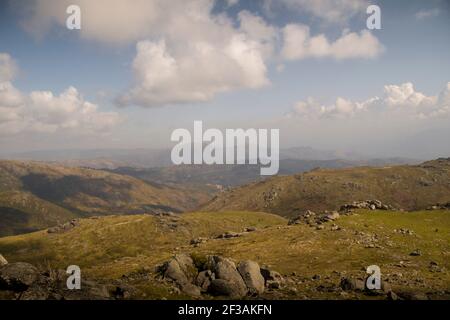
x=404, y=187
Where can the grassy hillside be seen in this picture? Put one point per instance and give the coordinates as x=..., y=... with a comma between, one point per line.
x=34, y=195
x=408, y=187
x=116, y=246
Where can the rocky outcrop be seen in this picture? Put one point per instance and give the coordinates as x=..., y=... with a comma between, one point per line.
x=219, y=276
x=24, y=281
x=445, y=206
x=313, y=219
x=62, y=228
x=367, y=204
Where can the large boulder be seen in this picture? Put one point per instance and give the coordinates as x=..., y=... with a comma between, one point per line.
x=180, y=269
x=18, y=276
x=225, y=269
x=187, y=266
x=173, y=271
x=251, y=274
x=221, y=287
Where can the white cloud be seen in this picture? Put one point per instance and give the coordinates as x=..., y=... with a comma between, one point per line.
x=8, y=68
x=180, y=68
x=425, y=14
x=331, y=11
x=186, y=53
x=398, y=101
x=42, y=111
x=299, y=44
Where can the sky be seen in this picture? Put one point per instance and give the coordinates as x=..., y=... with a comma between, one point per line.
x=137, y=70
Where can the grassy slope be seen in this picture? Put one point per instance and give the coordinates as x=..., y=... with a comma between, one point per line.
x=408, y=187
x=117, y=245
x=22, y=212
x=37, y=195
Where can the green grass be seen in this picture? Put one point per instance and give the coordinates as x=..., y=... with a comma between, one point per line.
x=112, y=246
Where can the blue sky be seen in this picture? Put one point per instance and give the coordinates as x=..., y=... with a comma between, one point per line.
x=414, y=46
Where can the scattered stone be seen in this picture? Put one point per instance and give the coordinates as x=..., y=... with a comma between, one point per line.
x=198, y=241
x=416, y=253
x=335, y=227
x=350, y=284
x=404, y=231
x=330, y=216
x=368, y=204
x=273, y=279
x=250, y=229
x=229, y=235
x=320, y=227
x=62, y=228
x=445, y=206
x=251, y=273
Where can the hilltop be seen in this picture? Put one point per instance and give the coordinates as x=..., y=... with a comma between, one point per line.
x=409, y=187
x=35, y=195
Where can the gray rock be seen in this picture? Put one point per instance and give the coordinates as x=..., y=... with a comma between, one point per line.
x=3, y=261
x=221, y=287
x=410, y=295
x=273, y=279
x=350, y=284
x=187, y=266
x=18, y=276
x=204, y=279
x=172, y=270
x=191, y=290
x=331, y=216
x=251, y=274
x=225, y=269
x=416, y=253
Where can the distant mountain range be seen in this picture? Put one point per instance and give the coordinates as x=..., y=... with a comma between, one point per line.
x=149, y=158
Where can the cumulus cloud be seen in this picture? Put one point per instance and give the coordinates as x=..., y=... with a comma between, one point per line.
x=330, y=11
x=299, y=44
x=397, y=101
x=180, y=68
x=42, y=111
x=188, y=52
